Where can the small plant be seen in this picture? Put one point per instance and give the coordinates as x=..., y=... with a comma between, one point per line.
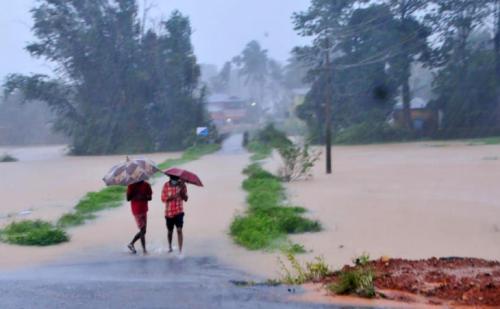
x=7, y=158
x=298, y=274
x=33, y=233
x=362, y=260
x=298, y=161
x=356, y=280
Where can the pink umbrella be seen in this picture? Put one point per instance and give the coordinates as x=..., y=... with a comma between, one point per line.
x=184, y=175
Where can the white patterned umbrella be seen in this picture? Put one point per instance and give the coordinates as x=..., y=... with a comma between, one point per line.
x=130, y=171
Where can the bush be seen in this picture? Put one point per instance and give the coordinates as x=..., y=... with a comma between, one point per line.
x=298, y=162
x=372, y=132
x=272, y=137
x=33, y=233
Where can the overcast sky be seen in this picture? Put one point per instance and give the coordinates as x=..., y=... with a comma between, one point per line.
x=221, y=29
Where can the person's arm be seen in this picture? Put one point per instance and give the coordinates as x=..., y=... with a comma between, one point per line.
x=184, y=194
x=164, y=193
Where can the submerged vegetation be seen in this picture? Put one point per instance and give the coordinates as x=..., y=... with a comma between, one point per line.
x=7, y=158
x=33, y=233
x=268, y=220
x=110, y=197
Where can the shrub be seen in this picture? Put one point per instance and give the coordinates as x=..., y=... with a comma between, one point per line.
x=33, y=233
x=372, y=132
x=272, y=137
x=298, y=161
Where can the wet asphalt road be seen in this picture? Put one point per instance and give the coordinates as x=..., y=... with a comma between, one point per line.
x=139, y=282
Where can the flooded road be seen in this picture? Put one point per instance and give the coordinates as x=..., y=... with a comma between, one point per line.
x=140, y=282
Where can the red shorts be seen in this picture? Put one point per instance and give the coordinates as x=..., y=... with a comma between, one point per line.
x=141, y=220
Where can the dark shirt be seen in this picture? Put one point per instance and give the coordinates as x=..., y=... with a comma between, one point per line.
x=139, y=194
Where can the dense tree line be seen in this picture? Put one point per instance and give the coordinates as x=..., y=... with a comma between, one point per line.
x=374, y=46
x=118, y=87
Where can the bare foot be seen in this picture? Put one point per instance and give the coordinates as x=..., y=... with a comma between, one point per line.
x=132, y=248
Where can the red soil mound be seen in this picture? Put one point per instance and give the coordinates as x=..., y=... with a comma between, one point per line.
x=450, y=281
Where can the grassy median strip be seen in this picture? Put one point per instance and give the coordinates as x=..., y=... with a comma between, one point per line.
x=33, y=233
x=267, y=221
x=42, y=233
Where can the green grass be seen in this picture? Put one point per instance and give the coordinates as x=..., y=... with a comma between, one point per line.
x=33, y=233
x=260, y=151
x=358, y=281
x=191, y=154
x=296, y=273
x=495, y=140
x=7, y=158
x=109, y=197
x=267, y=221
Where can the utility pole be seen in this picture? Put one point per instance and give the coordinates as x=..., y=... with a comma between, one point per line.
x=328, y=109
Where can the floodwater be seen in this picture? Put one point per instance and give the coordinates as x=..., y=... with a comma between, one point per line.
x=410, y=200
x=45, y=182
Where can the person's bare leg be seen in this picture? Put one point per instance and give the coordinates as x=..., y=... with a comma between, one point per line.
x=180, y=238
x=169, y=236
x=131, y=246
x=143, y=240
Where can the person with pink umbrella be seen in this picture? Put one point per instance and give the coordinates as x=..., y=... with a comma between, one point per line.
x=174, y=194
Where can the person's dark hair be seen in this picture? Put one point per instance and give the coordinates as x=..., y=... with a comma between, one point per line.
x=174, y=177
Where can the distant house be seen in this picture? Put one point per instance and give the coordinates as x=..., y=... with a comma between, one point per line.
x=226, y=110
x=425, y=120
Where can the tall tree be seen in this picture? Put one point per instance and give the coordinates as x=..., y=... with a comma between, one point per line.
x=108, y=73
x=254, y=64
x=456, y=21
x=412, y=42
